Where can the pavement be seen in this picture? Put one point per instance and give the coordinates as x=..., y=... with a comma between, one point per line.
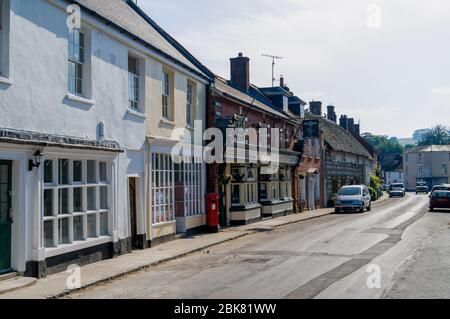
x=55, y=286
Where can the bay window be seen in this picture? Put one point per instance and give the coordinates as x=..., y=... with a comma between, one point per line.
x=163, y=188
x=76, y=201
x=244, y=187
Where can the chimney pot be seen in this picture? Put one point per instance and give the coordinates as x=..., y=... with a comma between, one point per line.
x=315, y=107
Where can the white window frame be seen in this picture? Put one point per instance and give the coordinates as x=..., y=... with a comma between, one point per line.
x=134, y=84
x=190, y=103
x=4, y=38
x=163, y=192
x=77, y=62
x=193, y=188
x=248, y=187
x=166, y=95
x=99, y=213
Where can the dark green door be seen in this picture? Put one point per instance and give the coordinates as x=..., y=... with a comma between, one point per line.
x=5, y=216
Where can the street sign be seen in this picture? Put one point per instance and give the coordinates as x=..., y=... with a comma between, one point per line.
x=310, y=129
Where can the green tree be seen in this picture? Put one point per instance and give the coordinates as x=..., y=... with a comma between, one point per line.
x=383, y=144
x=437, y=135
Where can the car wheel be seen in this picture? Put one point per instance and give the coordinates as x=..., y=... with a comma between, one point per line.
x=369, y=208
x=337, y=211
x=362, y=210
x=431, y=209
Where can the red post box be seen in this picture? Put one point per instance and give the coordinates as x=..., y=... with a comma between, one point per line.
x=212, y=211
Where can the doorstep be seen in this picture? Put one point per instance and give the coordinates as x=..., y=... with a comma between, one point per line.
x=13, y=281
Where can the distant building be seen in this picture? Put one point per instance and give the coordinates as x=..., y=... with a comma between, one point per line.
x=392, y=168
x=428, y=164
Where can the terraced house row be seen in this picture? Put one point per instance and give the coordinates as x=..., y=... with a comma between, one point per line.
x=92, y=93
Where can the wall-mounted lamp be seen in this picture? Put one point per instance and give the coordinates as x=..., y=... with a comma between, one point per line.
x=37, y=156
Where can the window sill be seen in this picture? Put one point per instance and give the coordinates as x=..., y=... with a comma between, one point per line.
x=167, y=122
x=80, y=99
x=136, y=113
x=6, y=81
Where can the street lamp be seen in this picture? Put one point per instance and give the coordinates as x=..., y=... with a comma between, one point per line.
x=37, y=156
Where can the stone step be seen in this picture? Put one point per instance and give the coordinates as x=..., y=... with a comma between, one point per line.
x=8, y=276
x=16, y=283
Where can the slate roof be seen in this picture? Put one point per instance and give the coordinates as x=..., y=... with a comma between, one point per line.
x=340, y=139
x=430, y=148
x=126, y=17
x=256, y=99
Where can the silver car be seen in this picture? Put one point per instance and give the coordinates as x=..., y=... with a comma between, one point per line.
x=354, y=198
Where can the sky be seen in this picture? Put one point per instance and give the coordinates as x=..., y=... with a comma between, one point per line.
x=386, y=63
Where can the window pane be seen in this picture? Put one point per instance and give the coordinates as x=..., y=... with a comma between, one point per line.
x=92, y=225
x=63, y=229
x=91, y=172
x=48, y=202
x=78, y=228
x=48, y=234
x=63, y=172
x=103, y=197
x=235, y=194
x=91, y=200
x=63, y=201
x=77, y=171
x=48, y=171
x=104, y=224
x=77, y=200
x=102, y=172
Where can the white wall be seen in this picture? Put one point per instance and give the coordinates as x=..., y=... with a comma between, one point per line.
x=36, y=101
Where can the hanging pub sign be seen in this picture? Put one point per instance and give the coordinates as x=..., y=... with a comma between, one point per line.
x=310, y=129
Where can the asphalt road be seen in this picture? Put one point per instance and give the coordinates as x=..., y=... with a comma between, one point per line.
x=398, y=250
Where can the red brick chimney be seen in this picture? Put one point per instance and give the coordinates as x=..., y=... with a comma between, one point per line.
x=240, y=72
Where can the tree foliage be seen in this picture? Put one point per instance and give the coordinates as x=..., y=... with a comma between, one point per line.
x=437, y=135
x=383, y=144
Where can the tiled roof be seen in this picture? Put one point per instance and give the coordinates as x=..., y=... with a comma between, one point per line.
x=122, y=15
x=340, y=139
x=430, y=148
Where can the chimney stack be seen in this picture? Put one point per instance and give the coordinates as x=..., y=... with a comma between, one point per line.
x=351, y=125
x=331, y=114
x=343, y=122
x=315, y=107
x=240, y=71
x=357, y=130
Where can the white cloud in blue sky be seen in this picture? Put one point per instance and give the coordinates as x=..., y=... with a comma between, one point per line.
x=394, y=79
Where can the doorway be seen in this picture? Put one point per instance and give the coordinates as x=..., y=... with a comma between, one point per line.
x=133, y=220
x=5, y=216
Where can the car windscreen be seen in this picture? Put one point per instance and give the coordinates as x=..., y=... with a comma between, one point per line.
x=350, y=191
x=396, y=187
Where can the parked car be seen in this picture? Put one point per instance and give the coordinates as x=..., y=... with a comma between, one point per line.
x=421, y=189
x=442, y=187
x=353, y=198
x=385, y=187
x=397, y=189
x=440, y=199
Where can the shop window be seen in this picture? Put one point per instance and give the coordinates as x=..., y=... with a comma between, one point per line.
x=162, y=188
x=189, y=177
x=74, y=209
x=244, y=187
